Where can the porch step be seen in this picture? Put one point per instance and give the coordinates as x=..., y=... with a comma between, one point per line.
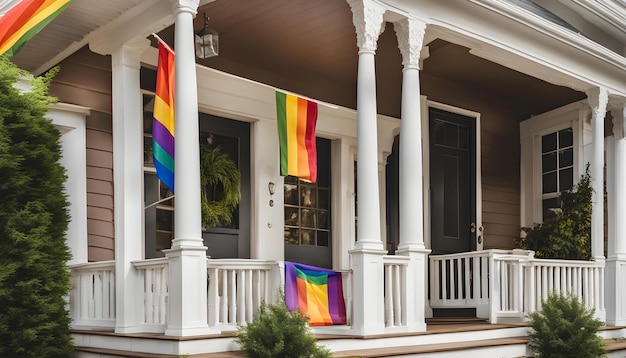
x=455, y=320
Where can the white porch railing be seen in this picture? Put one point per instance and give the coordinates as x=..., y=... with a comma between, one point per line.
x=92, y=299
x=508, y=285
x=155, y=291
x=395, y=277
x=236, y=289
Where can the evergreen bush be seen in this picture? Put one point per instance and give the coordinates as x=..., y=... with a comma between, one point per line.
x=34, y=280
x=564, y=328
x=567, y=235
x=277, y=333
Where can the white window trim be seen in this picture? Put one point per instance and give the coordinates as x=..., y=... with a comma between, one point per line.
x=70, y=120
x=573, y=116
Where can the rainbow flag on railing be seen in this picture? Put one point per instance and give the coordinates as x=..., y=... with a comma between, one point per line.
x=163, y=117
x=297, y=118
x=25, y=20
x=315, y=292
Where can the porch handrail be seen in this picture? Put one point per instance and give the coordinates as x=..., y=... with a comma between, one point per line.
x=511, y=284
x=92, y=299
x=236, y=289
x=155, y=290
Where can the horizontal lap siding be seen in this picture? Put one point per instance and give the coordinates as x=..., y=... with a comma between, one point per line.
x=500, y=153
x=85, y=80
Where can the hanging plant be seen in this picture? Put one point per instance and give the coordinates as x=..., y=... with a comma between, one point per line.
x=218, y=171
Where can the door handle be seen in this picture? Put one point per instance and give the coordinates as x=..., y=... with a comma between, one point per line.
x=473, y=227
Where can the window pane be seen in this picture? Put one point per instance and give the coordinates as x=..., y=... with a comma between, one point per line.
x=291, y=180
x=548, y=162
x=566, y=138
x=323, y=162
x=164, y=219
x=548, y=205
x=548, y=143
x=308, y=218
x=308, y=196
x=566, y=179
x=549, y=183
x=322, y=220
x=163, y=240
x=307, y=237
x=566, y=158
x=291, y=194
x=322, y=238
x=291, y=236
x=291, y=217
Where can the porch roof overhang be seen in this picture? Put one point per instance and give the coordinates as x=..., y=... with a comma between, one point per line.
x=309, y=47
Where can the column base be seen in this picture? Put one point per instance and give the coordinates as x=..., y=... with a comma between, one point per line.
x=615, y=291
x=367, y=293
x=417, y=289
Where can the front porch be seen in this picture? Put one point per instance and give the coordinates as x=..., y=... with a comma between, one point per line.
x=503, y=286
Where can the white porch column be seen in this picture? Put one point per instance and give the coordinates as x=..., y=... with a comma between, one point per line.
x=367, y=257
x=410, y=33
x=616, y=257
x=598, y=99
x=187, y=258
x=128, y=176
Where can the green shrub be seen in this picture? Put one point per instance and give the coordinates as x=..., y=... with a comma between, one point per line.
x=34, y=279
x=277, y=333
x=567, y=235
x=564, y=328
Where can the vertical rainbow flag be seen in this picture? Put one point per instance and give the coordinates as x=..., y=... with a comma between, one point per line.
x=25, y=20
x=315, y=292
x=163, y=117
x=297, y=118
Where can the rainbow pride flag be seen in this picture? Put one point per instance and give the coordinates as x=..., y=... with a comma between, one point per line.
x=25, y=20
x=297, y=118
x=315, y=292
x=163, y=117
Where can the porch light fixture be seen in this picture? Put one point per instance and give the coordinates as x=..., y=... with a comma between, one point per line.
x=207, y=41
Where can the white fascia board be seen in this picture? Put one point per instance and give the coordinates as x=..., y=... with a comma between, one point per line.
x=608, y=15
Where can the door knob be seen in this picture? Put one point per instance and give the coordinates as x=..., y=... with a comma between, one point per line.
x=473, y=227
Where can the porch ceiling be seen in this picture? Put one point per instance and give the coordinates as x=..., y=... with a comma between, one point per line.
x=309, y=47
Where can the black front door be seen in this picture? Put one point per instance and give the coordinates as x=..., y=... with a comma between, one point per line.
x=230, y=240
x=452, y=182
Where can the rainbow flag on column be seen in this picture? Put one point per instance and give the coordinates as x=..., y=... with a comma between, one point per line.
x=25, y=20
x=163, y=117
x=297, y=118
x=315, y=292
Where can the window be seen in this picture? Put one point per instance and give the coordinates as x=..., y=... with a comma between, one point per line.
x=557, y=168
x=307, y=205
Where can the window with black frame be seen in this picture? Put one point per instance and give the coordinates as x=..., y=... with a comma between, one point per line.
x=557, y=168
x=307, y=205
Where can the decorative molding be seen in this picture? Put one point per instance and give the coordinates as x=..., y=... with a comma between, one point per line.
x=367, y=16
x=598, y=98
x=410, y=33
x=618, y=111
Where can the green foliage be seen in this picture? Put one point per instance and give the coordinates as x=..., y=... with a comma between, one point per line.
x=34, y=279
x=567, y=235
x=220, y=181
x=277, y=333
x=565, y=328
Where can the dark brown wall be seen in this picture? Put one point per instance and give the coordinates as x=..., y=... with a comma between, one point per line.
x=500, y=153
x=85, y=80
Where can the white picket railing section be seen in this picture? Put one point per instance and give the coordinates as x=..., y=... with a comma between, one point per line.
x=395, y=273
x=508, y=285
x=92, y=299
x=155, y=290
x=236, y=289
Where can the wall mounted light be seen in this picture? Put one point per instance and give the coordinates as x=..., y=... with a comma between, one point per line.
x=207, y=41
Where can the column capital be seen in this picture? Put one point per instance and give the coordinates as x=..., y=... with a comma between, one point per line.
x=367, y=16
x=190, y=6
x=598, y=98
x=129, y=54
x=410, y=33
x=618, y=111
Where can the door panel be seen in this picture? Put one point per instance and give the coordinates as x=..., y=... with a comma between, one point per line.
x=230, y=240
x=453, y=182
